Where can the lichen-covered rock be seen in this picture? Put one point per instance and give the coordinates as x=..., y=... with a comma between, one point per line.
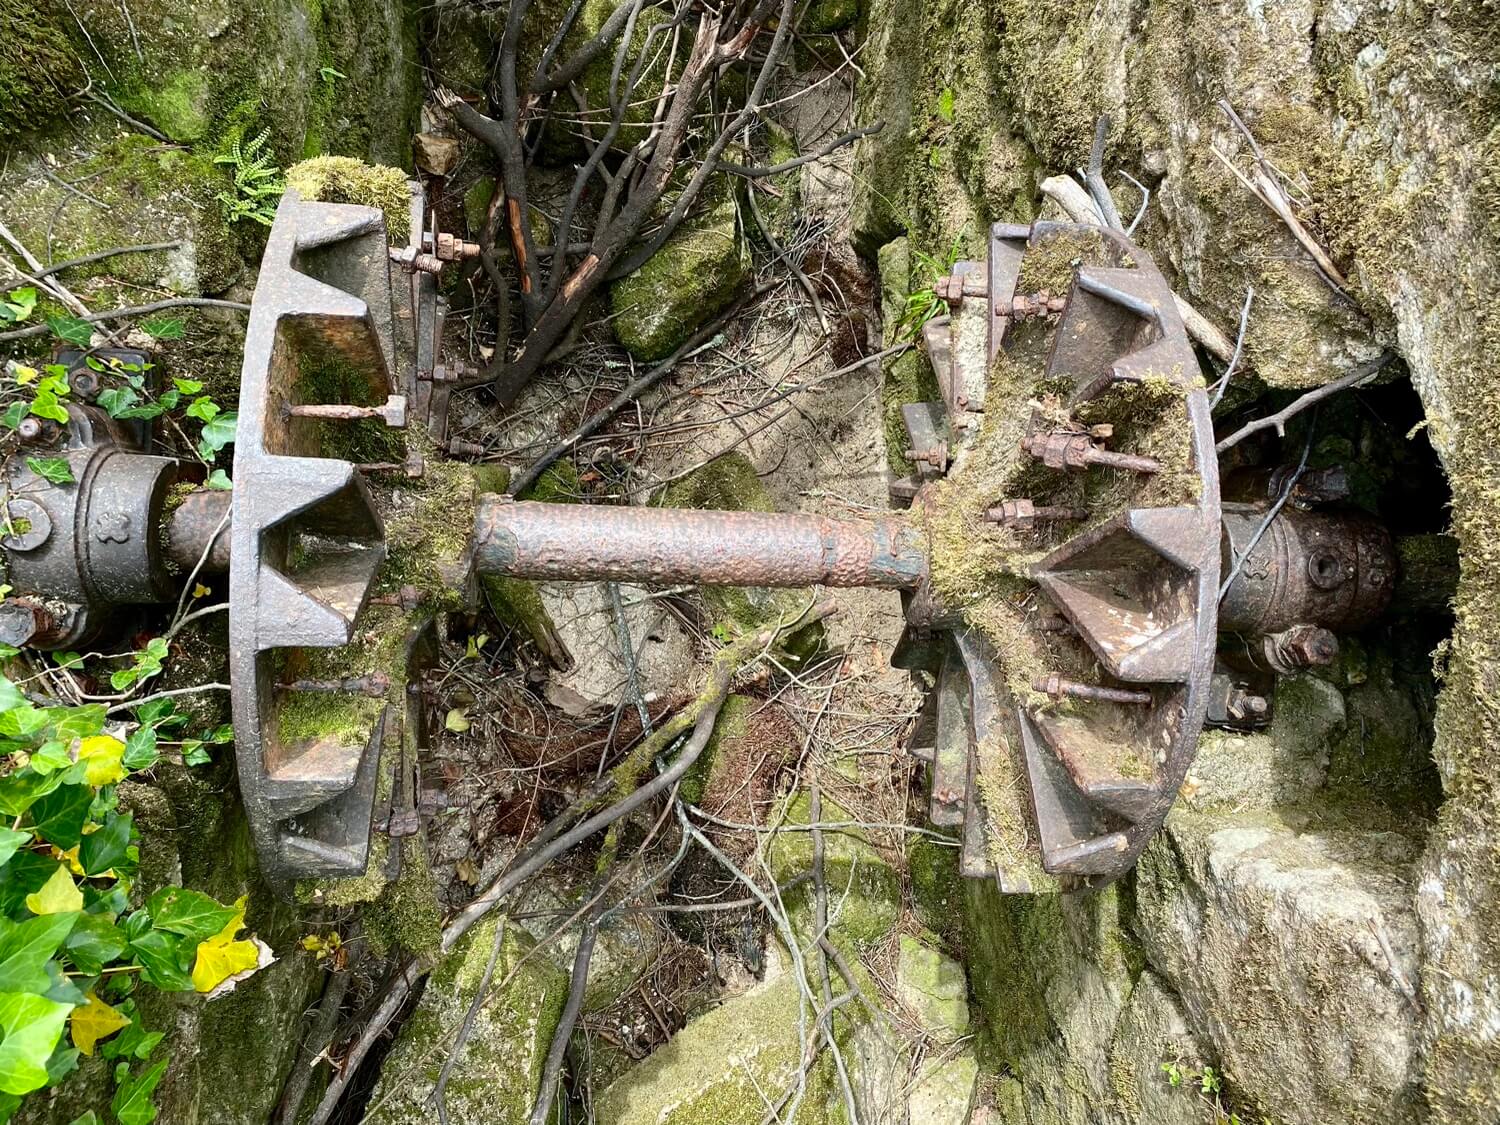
x=933, y=987
x=1153, y=1037
x=944, y=1092
x=1277, y=937
x=498, y=1071
x=948, y=161
x=696, y=273
x=1277, y=766
x=864, y=891
x=721, y=1068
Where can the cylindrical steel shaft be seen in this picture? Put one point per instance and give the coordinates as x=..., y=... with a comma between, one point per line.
x=709, y=548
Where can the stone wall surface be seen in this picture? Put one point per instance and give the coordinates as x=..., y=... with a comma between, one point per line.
x=1377, y=932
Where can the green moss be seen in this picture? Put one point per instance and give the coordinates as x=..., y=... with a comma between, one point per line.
x=558, y=484
x=39, y=65
x=176, y=104
x=343, y=179
x=696, y=274
x=477, y=203
x=864, y=891
x=316, y=716
x=407, y=917
x=732, y=724
x=936, y=889
x=828, y=16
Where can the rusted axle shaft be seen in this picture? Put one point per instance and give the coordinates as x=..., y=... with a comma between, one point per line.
x=708, y=548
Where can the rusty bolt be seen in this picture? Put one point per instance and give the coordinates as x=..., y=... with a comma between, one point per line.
x=451, y=248
x=1023, y=514
x=1025, y=306
x=1244, y=704
x=1065, y=449
x=446, y=373
x=392, y=412
x=458, y=447
x=413, y=261
x=84, y=383
x=1301, y=646
x=1057, y=686
x=937, y=456
x=408, y=598
x=374, y=686
x=22, y=621
x=414, y=467
x=37, y=431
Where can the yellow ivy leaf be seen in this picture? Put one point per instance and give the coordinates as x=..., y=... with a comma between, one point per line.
x=59, y=895
x=457, y=721
x=70, y=857
x=221, y=957
x=24, y=374
x=201, y=591
x=103, y=755
x=94, y=1021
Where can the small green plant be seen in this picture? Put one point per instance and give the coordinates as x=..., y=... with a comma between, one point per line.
x=329, y=75
x=923, y=304
x=258, y=183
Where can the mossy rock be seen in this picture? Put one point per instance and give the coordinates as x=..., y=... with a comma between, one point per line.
x=828, y=16
x=937, y=889
x=864, y=891
x=730, y=483
x=719, y=1068
x=933, y=987
x=696, y=273
x=499, y=1070
x=39, y=65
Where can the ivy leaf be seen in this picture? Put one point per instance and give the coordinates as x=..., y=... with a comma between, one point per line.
x=456, y=721
x=89, y=1118
x=104, y=755
x=160, y=957
x=135, y=1041
x=94, y=1021
x=32, y=1026
x=77, y=722
x=187, y=386
x=140, y=749
x=18, y=304
x=218, y=433
x=14, y=413
x=55, y=469
x=59, y=816
x=10, y=695
x=74, y=330
x=94, y=942
x=45, y=405
x=219, y=480
x=117, y=400
x=51, y=756
x=163, y=328
x=132, y=1103
x=203, y=408
x=190, y=914
x=25, y=949
x=11, y=840
x=222, y=957
x=194, y=754
x=26, y=872
x=58, y=895
x=22, y=721
x=105, y=849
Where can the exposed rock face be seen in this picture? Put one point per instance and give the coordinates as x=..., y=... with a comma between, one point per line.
x=498, y=1071
x=932, y=987
x=1275, y=936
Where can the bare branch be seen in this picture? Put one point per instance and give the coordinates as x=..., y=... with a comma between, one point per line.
x=1278, y=421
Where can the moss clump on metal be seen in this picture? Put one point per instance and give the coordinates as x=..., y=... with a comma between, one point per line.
x=343, y=179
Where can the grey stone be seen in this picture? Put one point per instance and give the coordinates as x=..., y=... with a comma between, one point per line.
x=499, y=1069
x=1275, y=939
x=944, y=1093
x=933, y=986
